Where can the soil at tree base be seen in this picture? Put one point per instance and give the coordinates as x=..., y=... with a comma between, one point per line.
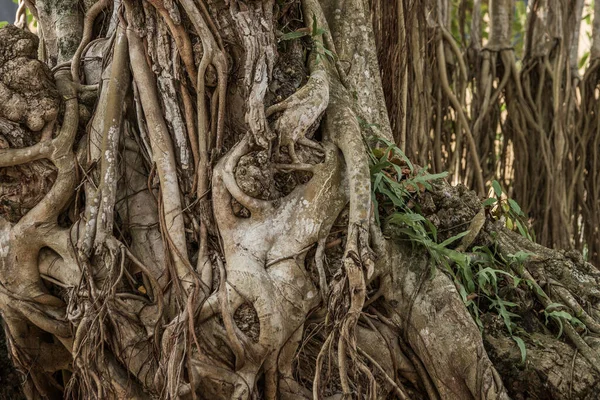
x=10, y=379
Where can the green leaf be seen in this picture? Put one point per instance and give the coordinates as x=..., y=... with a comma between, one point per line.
x=490, y=201
x=560, y=314
x=330, y=54
x=377, y=181
x=516, y=281
x=482, y=277
x=522, y=347
x=397, y=151
x=315, y=28
x=376, y=168
x=554, y=306
x=426, y=177
x=497, y=188
x=492, y=273
x=519, y=257
x=392, y=196
x=463, y=293
x=577, y=322
x=386, y=153
x=454, y=238
x=477, y=319
x=432, y=229
x=468, y=274
x=3, y=23
x=515, y=207
x=507, y=303
x=406, y=218
x=293, y=35
x=459, y=258
x=398, y=170
x=522, y=229
x=584, y=59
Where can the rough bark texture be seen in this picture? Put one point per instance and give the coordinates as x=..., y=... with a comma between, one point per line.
x=206, y=224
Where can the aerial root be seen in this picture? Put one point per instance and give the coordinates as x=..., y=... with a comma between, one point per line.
x=182, y=40
x=254, y=205
x=301, y=112
x=234, y=341
x=461, y=115
x=358, y=266
x=590, y=354
x=12, y=157
x=163, y=156
x=319, y=258
x=101, y=206
x=213, y=54
x=295, y=167
x=88, y=24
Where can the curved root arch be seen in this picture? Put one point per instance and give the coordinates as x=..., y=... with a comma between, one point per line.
x=200, y=241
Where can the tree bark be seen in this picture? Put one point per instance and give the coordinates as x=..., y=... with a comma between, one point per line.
x=209, y=229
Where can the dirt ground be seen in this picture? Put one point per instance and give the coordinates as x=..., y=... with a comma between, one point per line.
x=10, y=379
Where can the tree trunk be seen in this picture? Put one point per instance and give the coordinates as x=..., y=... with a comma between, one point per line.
x=199, y=214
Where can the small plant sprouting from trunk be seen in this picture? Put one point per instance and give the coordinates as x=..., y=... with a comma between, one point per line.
x=212, y=206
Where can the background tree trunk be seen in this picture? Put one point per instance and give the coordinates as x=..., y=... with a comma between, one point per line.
x=204, y=199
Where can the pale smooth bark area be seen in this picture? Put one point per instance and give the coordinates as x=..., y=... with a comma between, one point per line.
x=209, y=228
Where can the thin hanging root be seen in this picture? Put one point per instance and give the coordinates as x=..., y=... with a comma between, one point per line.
x=88, y=25
x=357, y=291
x=163, y=156
x=202, y=172
x=326, y=350
x=191, y=129
x=372, y=386
x=156, y=289
x=399, y=391
x=459, y=57
x=222, y=95
x=213, y=54
x=21, y=16
x=489, y=101
x=441, y=58
x=234, y=341
x=398, y=387
x=191, y=308
x=214, y=110
x=182, y=40
x=430, y=388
